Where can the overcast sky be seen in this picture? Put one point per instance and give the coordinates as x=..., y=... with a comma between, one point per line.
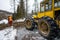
x=6, y=5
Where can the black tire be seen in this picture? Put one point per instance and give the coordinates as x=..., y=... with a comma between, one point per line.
x=51, y=25
x=29, y=27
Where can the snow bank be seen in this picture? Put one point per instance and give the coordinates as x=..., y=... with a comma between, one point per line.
x=8, y=34
x=4, y=21
x=20, y=20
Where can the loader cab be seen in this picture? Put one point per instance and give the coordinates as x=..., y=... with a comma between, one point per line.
x=46, y=9
x=50, y=8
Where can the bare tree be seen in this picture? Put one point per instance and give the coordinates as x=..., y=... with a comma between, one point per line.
x=26, y=8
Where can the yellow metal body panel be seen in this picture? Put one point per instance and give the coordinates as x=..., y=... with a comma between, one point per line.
x=47, y=13
x=39, y=15
x=34, y=16
x=56, y=9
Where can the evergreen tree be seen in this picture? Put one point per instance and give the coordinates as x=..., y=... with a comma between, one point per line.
x=20, y=10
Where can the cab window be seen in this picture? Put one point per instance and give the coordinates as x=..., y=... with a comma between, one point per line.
x=48, y=5
x=57, y=3
x=41, y=8
x=50, y=1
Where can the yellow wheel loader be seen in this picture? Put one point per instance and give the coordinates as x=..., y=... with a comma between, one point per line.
x=47, y=20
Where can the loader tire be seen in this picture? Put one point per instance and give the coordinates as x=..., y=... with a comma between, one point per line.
x=47, y=28
x=29, y=24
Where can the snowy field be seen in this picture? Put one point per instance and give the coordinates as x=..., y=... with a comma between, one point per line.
x=4, y=21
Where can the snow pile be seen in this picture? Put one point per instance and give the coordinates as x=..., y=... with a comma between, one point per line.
x=20, y=20
x=8, y=34
x=4, y=21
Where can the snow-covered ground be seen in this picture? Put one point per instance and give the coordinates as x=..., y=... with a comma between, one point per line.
x=20, y=34
x=23, y=34
x=8, y=34
x=20, y=20
x=4, y=21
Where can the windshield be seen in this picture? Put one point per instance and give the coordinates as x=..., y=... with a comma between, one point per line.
x=48, y=5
